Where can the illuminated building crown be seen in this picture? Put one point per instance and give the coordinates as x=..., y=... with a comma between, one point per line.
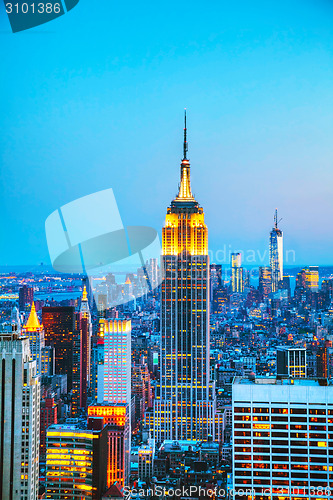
x=33, y=321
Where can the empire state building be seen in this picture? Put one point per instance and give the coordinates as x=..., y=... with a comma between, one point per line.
x=184, y=407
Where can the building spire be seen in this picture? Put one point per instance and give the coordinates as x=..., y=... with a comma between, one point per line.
x=185, y=193
x=185, y=147
x=275, y=219
x=33, y=321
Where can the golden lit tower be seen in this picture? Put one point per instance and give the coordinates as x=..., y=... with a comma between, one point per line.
x=35, y=331
x=184, y=407
x=237, y=278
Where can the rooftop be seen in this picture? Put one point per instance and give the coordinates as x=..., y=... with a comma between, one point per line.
x=274, y=381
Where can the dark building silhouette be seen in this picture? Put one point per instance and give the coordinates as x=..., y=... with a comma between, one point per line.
x=26, y=296
x=291, y=362
x=59, y=326
x=323, y=359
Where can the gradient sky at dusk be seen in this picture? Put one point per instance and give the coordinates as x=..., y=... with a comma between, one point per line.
x=95, y=100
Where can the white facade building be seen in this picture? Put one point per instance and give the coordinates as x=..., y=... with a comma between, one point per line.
x=283, y=438
x=19, y=420
x=117, y=362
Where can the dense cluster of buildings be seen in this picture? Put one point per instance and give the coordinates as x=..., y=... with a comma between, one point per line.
x=210, y=385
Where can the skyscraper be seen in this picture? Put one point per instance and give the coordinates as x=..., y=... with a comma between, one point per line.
x=237, y=278
x=117, y=361
x=184, y=407
x=35, y=332
x=276, y=254
x=81, y=355
x=26, y=296
x=19, y=420
x=114, y=396
x=59, y=327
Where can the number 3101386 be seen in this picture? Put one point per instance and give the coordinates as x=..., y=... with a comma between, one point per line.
x=32, y=8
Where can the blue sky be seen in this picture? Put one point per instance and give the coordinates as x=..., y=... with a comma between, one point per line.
x=95, y=99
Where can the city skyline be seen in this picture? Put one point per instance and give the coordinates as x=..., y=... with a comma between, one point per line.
x=257, y=87
x=166, y=287
x=203, y=381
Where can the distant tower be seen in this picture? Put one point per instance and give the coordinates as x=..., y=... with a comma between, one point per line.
x=19, y=420
x=237, y=278
x=26, y=296
x=276, y=254
x=185, y=404
x=265, y=281
x=35, y=332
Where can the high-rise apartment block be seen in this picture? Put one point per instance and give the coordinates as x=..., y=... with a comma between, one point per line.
x=282, y=436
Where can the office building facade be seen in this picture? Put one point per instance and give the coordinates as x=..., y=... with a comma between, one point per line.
x=76, y=462
x=59, y=327
x=117, y=420
x=282, y=435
